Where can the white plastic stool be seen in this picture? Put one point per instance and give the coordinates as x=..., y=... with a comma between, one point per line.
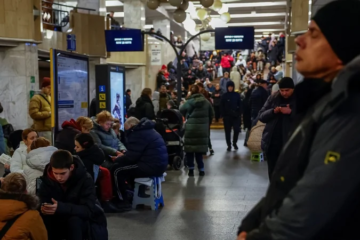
x=155, y=197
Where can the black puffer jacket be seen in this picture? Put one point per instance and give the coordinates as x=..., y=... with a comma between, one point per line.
x=79, y=197
x=144, y=108
x=65, y=138
x=231, y=103
x=257, y=100
x=90, y=157
x=275, y=122
x=314, y=190
x=146, y=148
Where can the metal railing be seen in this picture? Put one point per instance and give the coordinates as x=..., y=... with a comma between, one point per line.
x=58, y=15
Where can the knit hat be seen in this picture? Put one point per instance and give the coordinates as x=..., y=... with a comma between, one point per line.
x=337, y=20
x=286, y=82
x=46, y=82
x=163, y=67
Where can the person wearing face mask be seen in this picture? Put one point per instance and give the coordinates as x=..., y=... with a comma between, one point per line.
x=105, y=137
x=18, y=160
x=314, y=188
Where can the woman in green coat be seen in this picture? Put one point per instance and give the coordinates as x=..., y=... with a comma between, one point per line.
x=198, y=113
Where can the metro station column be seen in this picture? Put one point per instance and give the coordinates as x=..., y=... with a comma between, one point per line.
x=134, y=17
x=19, y=77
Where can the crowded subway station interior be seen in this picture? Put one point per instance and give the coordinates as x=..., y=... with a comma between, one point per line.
x=179, y=119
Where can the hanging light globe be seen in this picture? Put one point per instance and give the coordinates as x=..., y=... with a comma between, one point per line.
x=224, y=8
x=185, y=5
x=153, y=4
x=176, y=3
x=205, y=36
x=225, y=17
x=217, y=5
x=214, y=53
x=201, y=13
x=207, y=3
x=179, y=15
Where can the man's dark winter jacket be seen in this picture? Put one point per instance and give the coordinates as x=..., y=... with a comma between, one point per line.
x=76, y=198
x=128, y=102
x=146, y=148
x=314, y=192
x=247, y=109
x=257, y=100
x=230, y=103
x=275, y=122
x=160, y=79
x=217, y=99
x=65, y=138
x=90, y=157
x=144, y=108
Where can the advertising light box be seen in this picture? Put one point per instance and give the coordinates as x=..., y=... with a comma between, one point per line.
x=234, y=38
x=124, y=40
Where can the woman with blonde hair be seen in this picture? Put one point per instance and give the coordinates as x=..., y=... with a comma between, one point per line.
x=18, y=211
x=104, y=135
x=36, y=160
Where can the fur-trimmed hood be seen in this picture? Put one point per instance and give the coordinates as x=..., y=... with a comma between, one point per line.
x=13, y=204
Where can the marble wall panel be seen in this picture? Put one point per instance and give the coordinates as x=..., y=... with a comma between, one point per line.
x=135, y=81
x=17, y=65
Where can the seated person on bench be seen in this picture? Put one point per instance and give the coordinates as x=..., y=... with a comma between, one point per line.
x=146, y=154
x=67, y=195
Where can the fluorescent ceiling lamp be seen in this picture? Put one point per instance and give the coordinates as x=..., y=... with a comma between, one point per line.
x=115, y=3
x=119, y=14
x=148, y=26
x=256, y=15
x=254, y=4
x=269, y=30
x=254, y=24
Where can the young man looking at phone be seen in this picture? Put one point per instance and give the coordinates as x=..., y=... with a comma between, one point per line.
x=276, y=114
x=67, y=196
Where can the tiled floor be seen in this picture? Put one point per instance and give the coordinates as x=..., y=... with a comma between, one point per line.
x=208, y=208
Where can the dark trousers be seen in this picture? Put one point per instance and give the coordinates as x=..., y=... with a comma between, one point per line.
x=226, y=70
x=272, y=156
x=210, y=145
x=69, y=228
x=124, y=173
x=199, y=161
x=232, y=123
x=217, y=113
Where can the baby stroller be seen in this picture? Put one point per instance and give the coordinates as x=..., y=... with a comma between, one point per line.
x=172, y=120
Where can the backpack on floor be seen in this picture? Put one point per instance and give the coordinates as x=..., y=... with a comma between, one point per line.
x=254, y=141
x=98, y=224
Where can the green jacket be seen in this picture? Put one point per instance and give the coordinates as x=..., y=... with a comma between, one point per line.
x=199, y=113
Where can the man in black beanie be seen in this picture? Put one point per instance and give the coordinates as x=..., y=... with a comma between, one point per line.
x=314, y=191
x=276, y=114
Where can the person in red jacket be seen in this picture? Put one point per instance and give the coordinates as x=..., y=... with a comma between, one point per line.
x=226, y=62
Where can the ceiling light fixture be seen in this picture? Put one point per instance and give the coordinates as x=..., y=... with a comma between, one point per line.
x=254, y=24
x=113, y=4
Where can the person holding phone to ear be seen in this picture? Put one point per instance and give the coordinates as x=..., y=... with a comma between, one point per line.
x=276, y=114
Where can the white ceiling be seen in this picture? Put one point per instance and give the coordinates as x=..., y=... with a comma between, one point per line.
x=265, y=15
